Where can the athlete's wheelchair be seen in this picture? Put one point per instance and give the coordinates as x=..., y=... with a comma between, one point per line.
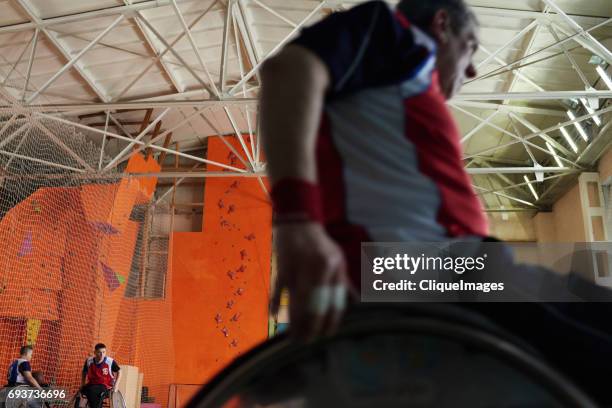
x=109, y=399
x=7, y=402
x=437, y=355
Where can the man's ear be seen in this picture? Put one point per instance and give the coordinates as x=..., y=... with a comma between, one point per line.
x=440, y=26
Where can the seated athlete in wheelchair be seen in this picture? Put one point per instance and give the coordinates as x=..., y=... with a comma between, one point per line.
x=100, y=379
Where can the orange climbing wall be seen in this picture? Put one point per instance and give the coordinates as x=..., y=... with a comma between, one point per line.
x=229, y=261
x=53, y=246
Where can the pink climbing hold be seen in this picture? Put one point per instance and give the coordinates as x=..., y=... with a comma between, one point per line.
x=231, y=274
x=235, y=317
x=243, y=254
x=220, y=203
x=241, y=269
x=218, y=318
x=225, y=332
x=250, y=237
x=231, y=208
x=234, y=184
x=110, y=277
x=239, y=291
x=26, y=245
x=224, y=223
x=234, y=343
x=230, y=304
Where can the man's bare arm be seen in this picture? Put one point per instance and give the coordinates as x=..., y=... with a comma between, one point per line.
x=117, y=379
x=294, y=84
x=83, y=379
x=30, y=379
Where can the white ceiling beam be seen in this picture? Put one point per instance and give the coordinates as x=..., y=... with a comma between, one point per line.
x=508, y=67
x=227, y=25
x=63, y=146
x=38, y=23
x=150, y=43
x=240, y=17
x=139, y=142
x=275, y=13
x=512, y=108
x=20, y=56
x=180, y=124
x=529, y=152
x=88, y=107
x=583, y=78
x=126, y=10
x=482, y=124
x=195, y=48
x=518, y=36
x=178, y=56
x=30, y=63
x=74, y=59
x=590, y=42
x=536, y=134
x=509, y=197
x=514, y=136
x=40, y=161
x=535, y=129
x=168, y=47
x=252, y=72
x=530, y=96
x=527, y=14
x=103, y=141
x=142, y=134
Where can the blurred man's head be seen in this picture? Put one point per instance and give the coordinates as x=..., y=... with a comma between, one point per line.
x=26, y=352
x=454, y=27
x=100, y=351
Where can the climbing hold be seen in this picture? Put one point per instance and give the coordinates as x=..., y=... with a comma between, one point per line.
x=231, y=274
x=250, y=237
x=225, y=331
x=235, y=317
x=234, y=184
x=220, y=203
x=32, y=329
x=241, y=269
x=110, y=277
x=230, y=304
x=239, y=291
x=243, y=254
x=121, y=279
x=26, y=245
x=231, y=208
x=218, y=318
x=234, y=343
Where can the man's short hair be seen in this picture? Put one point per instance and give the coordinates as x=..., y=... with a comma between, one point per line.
x=421, y=13
x=25, y=349
x=99, y=346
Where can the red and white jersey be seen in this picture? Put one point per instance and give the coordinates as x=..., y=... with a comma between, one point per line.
x=101, y=373
x=389, y=157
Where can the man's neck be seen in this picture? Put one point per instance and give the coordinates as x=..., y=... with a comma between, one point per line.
x=98, y=361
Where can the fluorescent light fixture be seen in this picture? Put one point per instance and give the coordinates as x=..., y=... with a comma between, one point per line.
x=555, y=155
x=604, y=76
x=578, y=126
x=531, y=188
x=568, y=139
x=591, y=111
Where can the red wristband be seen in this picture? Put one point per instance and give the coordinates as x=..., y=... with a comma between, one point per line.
x=296, y=200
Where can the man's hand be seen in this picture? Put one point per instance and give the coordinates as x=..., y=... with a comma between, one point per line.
x=312, y=267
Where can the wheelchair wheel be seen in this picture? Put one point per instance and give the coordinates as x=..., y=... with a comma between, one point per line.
x=411, y=358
